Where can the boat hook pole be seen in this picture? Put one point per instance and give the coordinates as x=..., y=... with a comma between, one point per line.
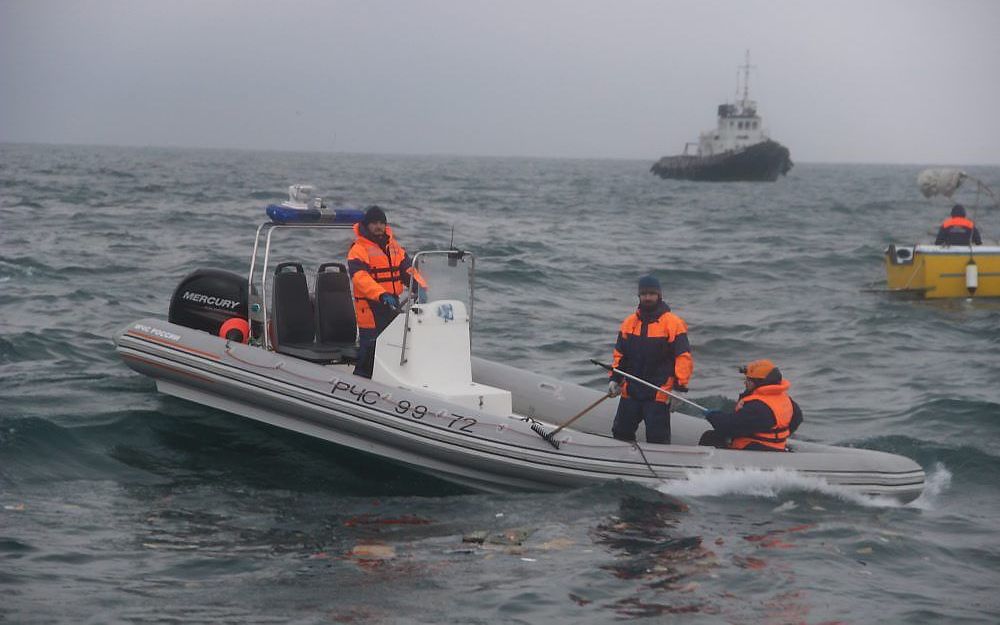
x=649, y=384
x=537, y=427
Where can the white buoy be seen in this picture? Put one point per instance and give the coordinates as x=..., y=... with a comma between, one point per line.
x=971, y=277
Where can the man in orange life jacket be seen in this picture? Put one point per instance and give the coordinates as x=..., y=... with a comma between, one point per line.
x=764, y=416
x=652, y=345
x=958, y=229
x=379, y=268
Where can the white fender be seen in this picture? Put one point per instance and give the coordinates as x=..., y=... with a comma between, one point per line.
x=972, y=276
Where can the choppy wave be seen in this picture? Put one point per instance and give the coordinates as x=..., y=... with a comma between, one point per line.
x=99, y=473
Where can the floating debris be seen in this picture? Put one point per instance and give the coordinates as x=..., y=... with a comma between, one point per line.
x=771, y=539
x=644, y=534
x=634, y=607
x=557, y=544
x=507, y=538
x=367, y=519
x=579, y=600
x=373, y=551
x=478, y=537
x=748, y=562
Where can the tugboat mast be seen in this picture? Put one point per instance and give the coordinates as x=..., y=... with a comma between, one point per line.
x=746, y=77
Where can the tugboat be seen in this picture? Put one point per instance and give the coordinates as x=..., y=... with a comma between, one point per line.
x=737, y=149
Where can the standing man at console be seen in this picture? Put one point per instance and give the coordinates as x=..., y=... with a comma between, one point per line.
x=380, y=270
x=652, y=345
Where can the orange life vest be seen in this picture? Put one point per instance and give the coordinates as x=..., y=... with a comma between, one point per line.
x=381, y=276
x=659, y=334
x=775, y=396
x=961, y=222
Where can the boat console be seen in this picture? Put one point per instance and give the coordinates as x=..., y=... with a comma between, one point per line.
x=429, y=349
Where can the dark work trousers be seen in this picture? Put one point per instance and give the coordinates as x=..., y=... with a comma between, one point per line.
x=366, y=339
x=366, y=352
x=656, y=414
x=711, y=438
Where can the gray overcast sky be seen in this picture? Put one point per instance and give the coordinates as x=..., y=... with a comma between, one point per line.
x=915, y=81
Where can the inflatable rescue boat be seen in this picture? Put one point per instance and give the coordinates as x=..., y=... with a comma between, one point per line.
x=278, y=346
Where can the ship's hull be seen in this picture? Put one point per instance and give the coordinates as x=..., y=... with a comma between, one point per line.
x=762, y=162
x=938, y=271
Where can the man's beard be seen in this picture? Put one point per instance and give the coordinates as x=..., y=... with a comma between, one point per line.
x=378, y=238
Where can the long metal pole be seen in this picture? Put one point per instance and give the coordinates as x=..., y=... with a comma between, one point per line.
x=649, y=384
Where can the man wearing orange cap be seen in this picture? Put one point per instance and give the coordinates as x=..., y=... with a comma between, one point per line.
x=764, y=416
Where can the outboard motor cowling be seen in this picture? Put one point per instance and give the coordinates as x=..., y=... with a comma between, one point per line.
x=207, y=298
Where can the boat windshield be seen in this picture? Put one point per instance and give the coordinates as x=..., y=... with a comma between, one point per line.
x=445, y=274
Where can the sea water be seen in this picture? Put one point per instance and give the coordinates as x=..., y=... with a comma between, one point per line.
x=122, y=505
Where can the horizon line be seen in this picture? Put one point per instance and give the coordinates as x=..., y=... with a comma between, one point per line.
x=448, y=154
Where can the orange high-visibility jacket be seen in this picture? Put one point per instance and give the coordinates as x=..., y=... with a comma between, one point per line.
x=653, y=346
x=958, y=231
x=961, y=222
x=775, y=397
x=375, y=270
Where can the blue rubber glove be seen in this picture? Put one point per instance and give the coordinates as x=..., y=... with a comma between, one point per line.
x=389, y=300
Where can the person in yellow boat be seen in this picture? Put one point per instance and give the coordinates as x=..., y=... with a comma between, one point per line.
x=958, y=229
x=764, y=416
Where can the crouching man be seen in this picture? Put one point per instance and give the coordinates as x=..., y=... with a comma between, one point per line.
x=764, y=416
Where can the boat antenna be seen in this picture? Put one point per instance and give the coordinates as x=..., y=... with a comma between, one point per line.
x=746, y=76
x=451, y=244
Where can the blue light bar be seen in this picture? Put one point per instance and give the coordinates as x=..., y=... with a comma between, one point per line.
x=283, y=214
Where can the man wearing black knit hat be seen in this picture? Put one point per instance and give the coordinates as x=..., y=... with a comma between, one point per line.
x=380, y=270
x=653, y=346
x=958, y=229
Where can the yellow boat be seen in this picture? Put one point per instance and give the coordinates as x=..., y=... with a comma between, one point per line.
x=936, y=271
x=941, y=271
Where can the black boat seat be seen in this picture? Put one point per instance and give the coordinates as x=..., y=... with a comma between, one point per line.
x=295, y=319
x=293, y=312
x=336, y=325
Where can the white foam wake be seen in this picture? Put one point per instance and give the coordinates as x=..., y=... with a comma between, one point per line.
x=936, y=483
x=774, y=483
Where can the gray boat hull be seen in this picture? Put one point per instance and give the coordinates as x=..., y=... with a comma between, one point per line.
x=482, y=451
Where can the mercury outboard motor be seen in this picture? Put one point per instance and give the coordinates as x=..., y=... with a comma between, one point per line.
x=210, y=299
